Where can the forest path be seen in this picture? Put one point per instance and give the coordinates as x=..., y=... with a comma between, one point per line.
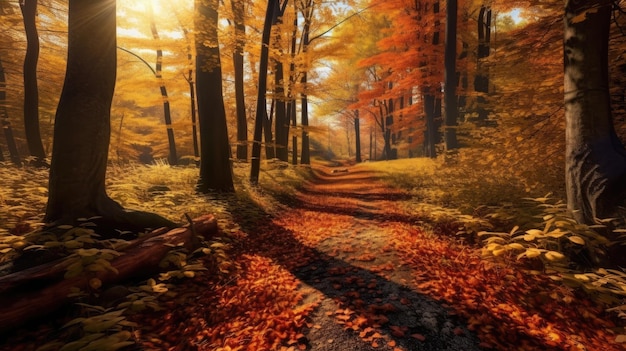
x=340, y=266
x=365, y=294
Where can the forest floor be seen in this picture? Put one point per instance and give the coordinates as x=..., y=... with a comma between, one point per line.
x=342, y=266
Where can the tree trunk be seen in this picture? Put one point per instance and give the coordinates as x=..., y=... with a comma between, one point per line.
x=281, y=123
x=294, y=139
x=192, y=88
x=31, y=91
x=305, y=157
x=240, y=100
x=47, y=290
x=450, y=77
x=371, y=158
x=357, y=136
x=5, y=123
x=82, y=126
x=291, y=103
x=481, y=81
x=215, y=166
x=388, y=125
x=167, y=116
x=261, y=106
x=430, y=137
x=194, y=124
x=595, y=158
x=267, y=132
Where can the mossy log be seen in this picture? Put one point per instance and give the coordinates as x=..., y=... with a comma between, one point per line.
x=40, y=290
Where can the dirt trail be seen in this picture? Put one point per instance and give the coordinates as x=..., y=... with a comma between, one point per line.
x=366, y=295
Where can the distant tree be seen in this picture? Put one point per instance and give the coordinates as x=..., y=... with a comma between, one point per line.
x=215, y=165
x=31, y=90
x=192, y=88
x=450, y=77
x=595, y=158
x=261, y=107
x=307, y=10
x=357, y=135
x=291, y=100
x=270, y=151
x=5, y=122
x=481, y=80
x=281, y=120
x=240, y=100
x=82, y=124
x=167, y=116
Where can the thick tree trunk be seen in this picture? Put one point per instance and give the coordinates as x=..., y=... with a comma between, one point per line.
x=595, y=158
x=83, y=124
x=31, y=91
x=40, y=290
x=215, y=165
x=240, y=100
x=450, y=77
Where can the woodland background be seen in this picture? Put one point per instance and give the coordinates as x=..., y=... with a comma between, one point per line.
x=515, y=127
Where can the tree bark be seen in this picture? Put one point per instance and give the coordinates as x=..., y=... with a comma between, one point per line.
x=261, y=106
x=291, y=103
x=139, y=259
x=240, y=100
x=83, y=124
x=270, y=151
x=5, y=123
x=191, y=83
x=357, y=136
x=595, y=157
x=431, y=130
x=481, y=80
x=215, y=165
x=31, y=90
x=167, y=116
x=281, y=123
x=450, y=77
x=307, y=14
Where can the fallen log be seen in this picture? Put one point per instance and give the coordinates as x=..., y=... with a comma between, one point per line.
x=54, y=270
x=139, y=259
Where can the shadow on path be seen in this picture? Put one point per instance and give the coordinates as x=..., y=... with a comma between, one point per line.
x=359, y=309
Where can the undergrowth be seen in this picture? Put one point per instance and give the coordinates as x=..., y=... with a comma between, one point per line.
x=159, y=188
x=508, y=216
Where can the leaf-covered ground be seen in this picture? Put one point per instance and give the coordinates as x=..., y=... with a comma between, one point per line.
x=341, y=266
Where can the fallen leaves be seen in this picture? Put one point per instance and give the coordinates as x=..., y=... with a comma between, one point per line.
x=261, y=307
x=503, y=305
